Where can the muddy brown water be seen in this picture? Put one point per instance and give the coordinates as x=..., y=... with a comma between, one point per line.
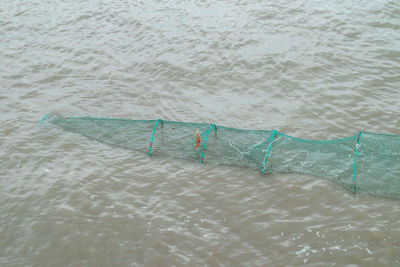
x=311, y=69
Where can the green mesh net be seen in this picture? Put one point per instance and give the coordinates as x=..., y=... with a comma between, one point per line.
x=366, y=163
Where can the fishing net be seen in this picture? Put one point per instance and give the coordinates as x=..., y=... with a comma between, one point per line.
x=365, y=163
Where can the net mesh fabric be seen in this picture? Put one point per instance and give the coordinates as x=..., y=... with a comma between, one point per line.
x=365, y=163
x=378, y=164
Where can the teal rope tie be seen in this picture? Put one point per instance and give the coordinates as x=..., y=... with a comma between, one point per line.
x=152, y=138
x=269, y=150
x=355, y=163
x=43, y=119
x=205, y=142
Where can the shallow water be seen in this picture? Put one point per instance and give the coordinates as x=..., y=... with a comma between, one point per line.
x=307, y=68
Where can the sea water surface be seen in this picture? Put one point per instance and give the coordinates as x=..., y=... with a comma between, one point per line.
x=311, y=69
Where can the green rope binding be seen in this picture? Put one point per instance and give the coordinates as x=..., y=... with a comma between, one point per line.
x=152, y=138
x=205, y=142
x=43, y=119
x=268, y=150
x=355, y=166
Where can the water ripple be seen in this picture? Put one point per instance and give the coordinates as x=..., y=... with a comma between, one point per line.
x=313, y=70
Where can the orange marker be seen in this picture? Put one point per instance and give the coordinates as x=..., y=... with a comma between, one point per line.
x=197, y=139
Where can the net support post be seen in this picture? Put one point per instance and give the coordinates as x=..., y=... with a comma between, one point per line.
x=269, y=150
x=152, y=138
x=205, y=142
x=355, y=163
